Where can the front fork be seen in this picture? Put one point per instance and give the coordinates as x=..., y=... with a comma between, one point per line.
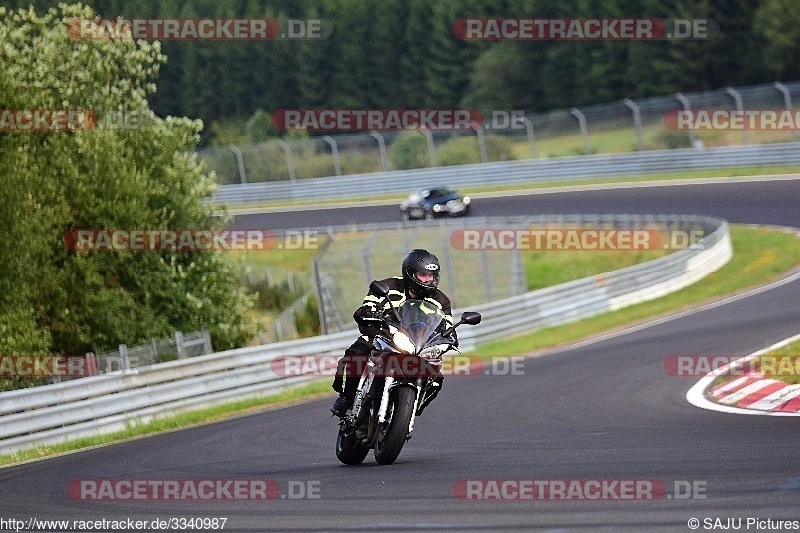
x=384, y=406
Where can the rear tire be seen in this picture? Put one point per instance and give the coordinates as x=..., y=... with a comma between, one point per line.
x=392, y=434
x=349, y=450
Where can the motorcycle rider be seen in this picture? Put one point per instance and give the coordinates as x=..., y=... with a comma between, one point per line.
x=420, y=280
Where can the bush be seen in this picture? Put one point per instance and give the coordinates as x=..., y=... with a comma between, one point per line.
x=465, y=150
x=671, y=139
x=459, y=151
x=499, y=148
x=409, y=150
x=307, y=320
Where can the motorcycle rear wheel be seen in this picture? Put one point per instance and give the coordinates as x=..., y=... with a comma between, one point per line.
x=392, y=434
x=348, y=449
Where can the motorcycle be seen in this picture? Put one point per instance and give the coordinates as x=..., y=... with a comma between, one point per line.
x=398, y=381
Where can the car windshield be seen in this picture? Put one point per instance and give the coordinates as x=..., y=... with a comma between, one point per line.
x=437, y=193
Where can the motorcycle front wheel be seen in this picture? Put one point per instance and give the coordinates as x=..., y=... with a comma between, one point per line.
x=392, y=433
x=348, y=449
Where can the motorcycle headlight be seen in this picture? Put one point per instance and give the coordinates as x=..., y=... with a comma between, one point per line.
x=434, y=352
x=402, y=341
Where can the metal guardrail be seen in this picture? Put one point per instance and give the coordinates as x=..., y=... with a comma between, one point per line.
x=110, y=402
x=636, y=124
x=510, y=173
x=598, y=294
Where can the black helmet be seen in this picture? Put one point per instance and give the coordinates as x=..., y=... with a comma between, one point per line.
x=421, y=261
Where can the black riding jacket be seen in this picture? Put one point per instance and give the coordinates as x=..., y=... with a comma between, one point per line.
x=398, y=295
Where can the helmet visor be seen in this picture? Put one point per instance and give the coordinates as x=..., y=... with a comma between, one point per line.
x=427, y=278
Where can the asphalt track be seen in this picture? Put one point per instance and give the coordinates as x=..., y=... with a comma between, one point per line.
x=604, y=410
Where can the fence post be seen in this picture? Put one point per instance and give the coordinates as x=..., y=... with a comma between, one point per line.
x=431, y=150
x=91, y=365
x=365, y=254
x=531, y=138
x=739, y=107
x=481, y=141
x=287, y=150
x=179, y=345
x=787, y=101
x=240, y=161
x=123, y=354
x=293, y=322
x=335, y=151
x=448, y=265
x=207, y=342
x=582, y=123
x=487, y=277
x=637, y=122
x=381, y=149
x=518, y=274
x=323, y=325
x=688, y=108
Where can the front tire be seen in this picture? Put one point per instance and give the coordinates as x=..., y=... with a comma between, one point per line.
x=392, y=433
x=348, y=449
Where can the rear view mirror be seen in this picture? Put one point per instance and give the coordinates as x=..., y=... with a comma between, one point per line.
x=467, y=317
x=471, y=318
x=379, y=288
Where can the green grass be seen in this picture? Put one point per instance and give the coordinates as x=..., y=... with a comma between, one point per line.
x=759, y=255
x=784, y=361
x=545, y=269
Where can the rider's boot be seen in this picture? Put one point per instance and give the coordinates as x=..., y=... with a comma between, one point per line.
x=345, y=400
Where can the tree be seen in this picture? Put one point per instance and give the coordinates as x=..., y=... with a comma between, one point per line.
x=140, y=177
x=498, y=80
x=777, y=24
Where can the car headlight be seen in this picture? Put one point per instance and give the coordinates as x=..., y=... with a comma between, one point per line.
x=437, y=208
x=402, y=341
x=466, y=200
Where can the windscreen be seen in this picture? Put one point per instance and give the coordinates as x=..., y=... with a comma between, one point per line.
x=418, y=320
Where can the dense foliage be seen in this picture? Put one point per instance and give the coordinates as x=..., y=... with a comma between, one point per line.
x=403, y=53
x=53, y=299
